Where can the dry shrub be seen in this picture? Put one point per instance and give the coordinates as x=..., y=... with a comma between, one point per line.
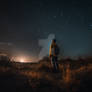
x=46, y=67
x=32, y=75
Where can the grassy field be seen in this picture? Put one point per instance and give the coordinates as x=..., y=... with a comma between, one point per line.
x=73, y=76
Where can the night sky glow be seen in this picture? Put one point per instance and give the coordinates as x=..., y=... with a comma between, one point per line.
x=24, y=22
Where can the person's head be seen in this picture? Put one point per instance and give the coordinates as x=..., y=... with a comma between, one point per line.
x=54, y=41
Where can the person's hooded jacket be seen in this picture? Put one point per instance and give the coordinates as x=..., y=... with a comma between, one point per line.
x=54, y=49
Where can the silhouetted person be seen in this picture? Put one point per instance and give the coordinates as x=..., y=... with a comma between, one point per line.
x=53, y=53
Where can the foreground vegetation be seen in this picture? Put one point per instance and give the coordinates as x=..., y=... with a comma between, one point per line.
x=73, y=76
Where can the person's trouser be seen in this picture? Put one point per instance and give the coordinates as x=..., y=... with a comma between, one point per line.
x=54, y=63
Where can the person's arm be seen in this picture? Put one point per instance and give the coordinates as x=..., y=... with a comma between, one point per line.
x=50, y=52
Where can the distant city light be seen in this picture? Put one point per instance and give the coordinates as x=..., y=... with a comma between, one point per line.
x=22, y=60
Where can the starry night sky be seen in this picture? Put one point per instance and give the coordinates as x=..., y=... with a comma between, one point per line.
x=24, y=22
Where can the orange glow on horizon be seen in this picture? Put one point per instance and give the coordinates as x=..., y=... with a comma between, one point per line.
x=22, y=60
